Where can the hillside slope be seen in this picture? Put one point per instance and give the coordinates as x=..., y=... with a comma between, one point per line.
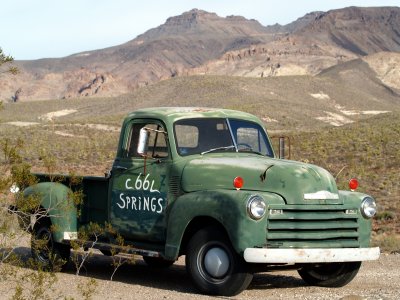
x=370, y=151
x=362, y=31
x=81, y=135
x=340, y=95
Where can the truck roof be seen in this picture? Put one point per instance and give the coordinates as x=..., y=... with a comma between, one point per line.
x=172, y=114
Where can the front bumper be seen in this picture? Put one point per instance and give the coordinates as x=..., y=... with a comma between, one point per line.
x=292, y=256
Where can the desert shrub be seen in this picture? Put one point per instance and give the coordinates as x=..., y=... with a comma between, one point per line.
x=27, y=277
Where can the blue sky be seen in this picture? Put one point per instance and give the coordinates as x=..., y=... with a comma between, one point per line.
x=32, y=29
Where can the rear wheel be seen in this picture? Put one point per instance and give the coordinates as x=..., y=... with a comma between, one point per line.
x=49, y=254
x=330, y=274
x=106, y=252
x=213, y=264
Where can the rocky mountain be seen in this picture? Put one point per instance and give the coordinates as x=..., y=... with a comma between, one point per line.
x=386, y=67
x=360, y=30
x=295, y=25
x=315, y=42
x=183, y=42
x=199, y=42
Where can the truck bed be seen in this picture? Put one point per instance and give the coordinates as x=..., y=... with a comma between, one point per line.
x=95, y=195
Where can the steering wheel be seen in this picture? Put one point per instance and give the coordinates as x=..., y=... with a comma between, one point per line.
x=245, y=146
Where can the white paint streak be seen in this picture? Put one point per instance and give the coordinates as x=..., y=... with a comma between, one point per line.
x=55, y=114
x=346, y=112
x=82, y=54
x=334, y=119
x=320, y=96
x=102, y=127
x=375, y=112
x=22, y=124
x=269, y=120
x=66, y=134
x=70, y=235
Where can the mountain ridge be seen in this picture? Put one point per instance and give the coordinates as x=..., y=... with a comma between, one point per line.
x=199, y=42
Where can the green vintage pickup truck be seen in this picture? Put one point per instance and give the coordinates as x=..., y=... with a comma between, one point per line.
x=206, y=183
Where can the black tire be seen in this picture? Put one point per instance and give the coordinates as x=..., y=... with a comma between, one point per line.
x=229, y=278
x=106, y=252
x=157, y=262
x=48, y=254
x=330, y=274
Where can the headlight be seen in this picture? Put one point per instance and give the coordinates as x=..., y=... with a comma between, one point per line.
x=256, y=207
x=368, y=207
x=14, y=188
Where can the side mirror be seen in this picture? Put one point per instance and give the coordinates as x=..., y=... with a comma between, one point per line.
x=283, y=143
x=143, y=143
x=281, y=147
x=284, y=151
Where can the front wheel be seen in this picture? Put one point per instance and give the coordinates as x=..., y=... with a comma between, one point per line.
x=213, y=264
x=330, y=274
x=48, y=254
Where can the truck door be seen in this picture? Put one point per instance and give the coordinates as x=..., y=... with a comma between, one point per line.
x=138, y=185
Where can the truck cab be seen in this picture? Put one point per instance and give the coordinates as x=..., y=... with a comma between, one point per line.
x=206, y=183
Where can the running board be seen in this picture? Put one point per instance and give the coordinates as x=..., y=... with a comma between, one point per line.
x=116, y=248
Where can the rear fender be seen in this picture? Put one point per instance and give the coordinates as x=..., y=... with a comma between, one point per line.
x=56, y=199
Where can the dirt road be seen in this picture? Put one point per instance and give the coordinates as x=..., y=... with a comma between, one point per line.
x=376, y=280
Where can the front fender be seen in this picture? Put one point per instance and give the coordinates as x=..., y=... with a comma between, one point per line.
x=364, y=225
x=56, y=199
x=228, y=207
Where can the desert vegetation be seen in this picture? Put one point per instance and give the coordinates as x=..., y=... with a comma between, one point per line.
x=84, y=143
x=370, y=151
x=339, y=106
x=79, y=136
x=33, y=277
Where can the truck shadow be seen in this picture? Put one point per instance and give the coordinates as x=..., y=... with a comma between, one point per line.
x=100, y=267
x=268, y=281
x=174, y=278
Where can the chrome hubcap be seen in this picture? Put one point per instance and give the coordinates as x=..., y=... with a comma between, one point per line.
x=216, y=262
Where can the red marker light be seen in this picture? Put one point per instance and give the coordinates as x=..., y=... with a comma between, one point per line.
x=238, y=182
x=353, y=184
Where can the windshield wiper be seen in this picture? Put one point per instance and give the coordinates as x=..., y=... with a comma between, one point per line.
x=249, y=150
x=218, y=148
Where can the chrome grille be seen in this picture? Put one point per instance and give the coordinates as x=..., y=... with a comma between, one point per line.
x=302, y=227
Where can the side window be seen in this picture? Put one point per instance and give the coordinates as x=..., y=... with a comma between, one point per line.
x=250, y=137
x=158, y=147
x=187, y=138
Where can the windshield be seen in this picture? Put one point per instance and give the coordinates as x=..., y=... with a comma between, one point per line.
x=202, y=136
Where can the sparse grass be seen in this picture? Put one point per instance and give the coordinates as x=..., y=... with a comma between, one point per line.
x=388, y=242
x=368, y=149
x=85, y=151
x=285, y=99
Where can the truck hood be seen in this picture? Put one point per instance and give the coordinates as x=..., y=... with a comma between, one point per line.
x=297, y=183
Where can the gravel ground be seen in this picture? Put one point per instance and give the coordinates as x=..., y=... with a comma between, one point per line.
x=376, y=280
